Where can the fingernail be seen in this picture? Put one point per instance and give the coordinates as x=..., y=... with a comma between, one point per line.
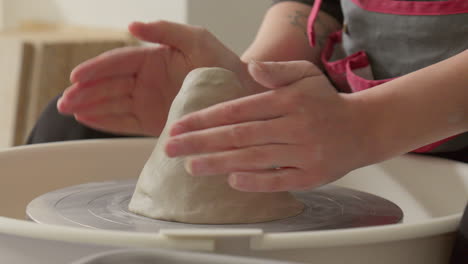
x=188, y=167
x=176, y=129
x=195, y=167
x=233, y=180
x=62, y=106
x=191, y=167
x=236, y=181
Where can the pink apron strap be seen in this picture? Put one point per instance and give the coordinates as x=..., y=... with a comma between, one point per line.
x=311, y=21
x=421, y=8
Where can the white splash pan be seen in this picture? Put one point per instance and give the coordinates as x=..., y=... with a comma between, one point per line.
x=431, y=192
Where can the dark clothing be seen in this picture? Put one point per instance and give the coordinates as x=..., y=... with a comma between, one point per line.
x=52, y=126
x=460, y=249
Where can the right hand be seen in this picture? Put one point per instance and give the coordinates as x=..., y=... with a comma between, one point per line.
x=129, y=90
x=299, y=135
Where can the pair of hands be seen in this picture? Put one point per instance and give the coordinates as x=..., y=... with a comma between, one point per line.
x=297, y=133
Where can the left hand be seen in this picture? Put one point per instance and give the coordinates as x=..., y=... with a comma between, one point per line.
x=130, y=90
x=298, y=135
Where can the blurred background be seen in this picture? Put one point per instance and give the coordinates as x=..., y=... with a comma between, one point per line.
x=41, y=41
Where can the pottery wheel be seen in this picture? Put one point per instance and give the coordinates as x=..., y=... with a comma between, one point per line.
x=104, y=206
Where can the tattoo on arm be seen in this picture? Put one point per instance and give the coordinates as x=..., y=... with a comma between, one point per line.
x=299, y=20
x=322, y=30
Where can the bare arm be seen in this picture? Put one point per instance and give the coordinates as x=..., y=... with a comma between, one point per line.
x=283, y=34
x=416, y=109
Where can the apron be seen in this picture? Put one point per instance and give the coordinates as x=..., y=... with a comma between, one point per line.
x=384, y=39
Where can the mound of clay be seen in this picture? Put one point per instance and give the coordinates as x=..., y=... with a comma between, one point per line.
x=166, y=191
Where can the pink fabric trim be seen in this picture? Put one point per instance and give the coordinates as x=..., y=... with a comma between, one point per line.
x=341, y=72
x=337, y=69
x=311, y=21
x=414, y=7
x=356, y=82
x=327, y=52
x=432, y=146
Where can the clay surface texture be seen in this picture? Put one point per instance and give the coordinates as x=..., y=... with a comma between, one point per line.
x=166, y=191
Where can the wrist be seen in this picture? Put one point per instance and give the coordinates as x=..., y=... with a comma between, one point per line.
x=370, y=130
x=396, y=121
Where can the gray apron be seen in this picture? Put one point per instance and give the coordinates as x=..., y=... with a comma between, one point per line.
x=384, y=39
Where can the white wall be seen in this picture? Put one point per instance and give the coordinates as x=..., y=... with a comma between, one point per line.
x=235, y=22
x=119, y=13
x=15, y=11
x=2, y=17
x=107, y=13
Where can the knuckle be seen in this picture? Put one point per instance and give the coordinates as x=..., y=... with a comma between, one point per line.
x=309, y=129
x=202, y=40
x=187, y=144
x=238, y=135
x=224, y=164
x=201, y=35
x=194, y=146
x=124, y=88
x=257, y=156
x=191, y=122
x=129, y=83
x=295, y=100
x=299, y=132
x=230, y=111
x=301, y=97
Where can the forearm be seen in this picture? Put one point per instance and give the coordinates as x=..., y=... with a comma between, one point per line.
x=283, y=37
x=416, y=109
x=283, y=34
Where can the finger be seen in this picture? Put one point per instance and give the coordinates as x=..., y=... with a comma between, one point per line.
x=104, y=106
x=264, y=106
x=172, y=34
x=117, y=62
x=230, y=137
x=278, y=74
x=245, y=159
x=279, y=180
x=82, y=93
x=120, y=124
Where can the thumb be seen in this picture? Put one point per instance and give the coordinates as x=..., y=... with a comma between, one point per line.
x=277, y=74
x=172, y=34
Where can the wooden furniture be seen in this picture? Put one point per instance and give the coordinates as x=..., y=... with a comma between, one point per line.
x=35, y=64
